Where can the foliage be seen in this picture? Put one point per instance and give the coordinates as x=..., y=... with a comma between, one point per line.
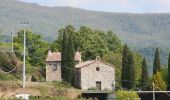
x=36, y=47
x=64, y=56
x=129, y=68
x=159, y=82
x=9, y=61
x=68, y=60
x=140, y=31
x=6, y=76
x=168, y=78
x=144, y=76
x=127, y=95
x=71, y=60
x=92, y=43
x=131, y=72
x=156, y=64
x=125, y=66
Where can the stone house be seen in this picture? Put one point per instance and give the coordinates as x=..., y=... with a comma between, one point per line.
x=53, y=65
x=95, y=74
x=89, y=74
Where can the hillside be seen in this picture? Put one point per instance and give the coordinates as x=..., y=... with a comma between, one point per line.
x=141, y=31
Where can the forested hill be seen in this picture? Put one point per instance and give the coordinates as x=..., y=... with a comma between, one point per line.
x=138, y=30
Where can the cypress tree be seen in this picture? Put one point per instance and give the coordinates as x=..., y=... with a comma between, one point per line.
x=131, y=71
x=144, y=76
x=71, y=60
x=156, y=64
x=125, y=56
x=168, y=86
x=64, y=56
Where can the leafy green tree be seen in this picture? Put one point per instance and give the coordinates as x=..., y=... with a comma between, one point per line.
x=64, y=56
x=125, y=67
x=113, y=42
x=144, y=76
x=91, y=42
x=131, y=71
x=127, y=95
x=36, y=47
x=168, y=84
x=156, y=64
x=159, y=82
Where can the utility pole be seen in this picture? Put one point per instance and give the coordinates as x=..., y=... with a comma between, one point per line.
x=24, y=76
x=12, y=42
x=153, y=90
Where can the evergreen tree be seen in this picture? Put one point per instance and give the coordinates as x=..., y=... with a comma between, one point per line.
x=125, y=56
x=64, y=56
x=71, y=60
x=131, y=71
x=168, y=85
x=144, y=77
x=156, y=64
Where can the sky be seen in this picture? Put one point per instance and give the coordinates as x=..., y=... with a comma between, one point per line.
x=132, y=6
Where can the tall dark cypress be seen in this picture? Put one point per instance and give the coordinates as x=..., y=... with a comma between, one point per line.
x=156, y=64
x=125, y=56
x=144, y=76
x=64, y=56
x=71, y=60
x=168, y=86
x=131, y=71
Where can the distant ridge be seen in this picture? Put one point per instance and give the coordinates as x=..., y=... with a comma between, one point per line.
x=140, y=31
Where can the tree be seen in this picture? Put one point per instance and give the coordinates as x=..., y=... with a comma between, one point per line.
x=159, y=82
x=91, y=42
x=36, y=47
x=125, y=66
x=156, y=64
x=71, y=60
x=64, y=56
x=131, y=71
x=168, y=85
x=67, y=55
x=144, y=76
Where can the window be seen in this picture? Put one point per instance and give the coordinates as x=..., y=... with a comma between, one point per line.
x=97, y=68
x=54, y=67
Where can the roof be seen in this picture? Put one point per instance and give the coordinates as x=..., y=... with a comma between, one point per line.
x=56, y=56
x=86, y=63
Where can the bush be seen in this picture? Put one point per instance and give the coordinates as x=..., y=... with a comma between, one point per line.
x=127, y=95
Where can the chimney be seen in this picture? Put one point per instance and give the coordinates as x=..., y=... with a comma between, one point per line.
x=49, y=52
x=79, y=56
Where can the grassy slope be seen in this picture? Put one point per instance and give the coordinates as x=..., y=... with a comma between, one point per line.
x=11, y=88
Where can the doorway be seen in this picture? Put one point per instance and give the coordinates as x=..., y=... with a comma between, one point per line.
x=98, y=85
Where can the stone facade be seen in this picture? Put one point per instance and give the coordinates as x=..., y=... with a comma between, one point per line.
x=53, y=65
x=88, y=75
x=53, y=71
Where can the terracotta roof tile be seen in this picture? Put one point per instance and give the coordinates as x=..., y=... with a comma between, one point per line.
x=56, y=56
x=85, y=63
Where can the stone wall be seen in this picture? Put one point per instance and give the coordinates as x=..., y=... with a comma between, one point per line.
x=89, y=76
x=51, y=73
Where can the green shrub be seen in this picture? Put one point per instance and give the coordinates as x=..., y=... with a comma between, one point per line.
x=127, y=95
